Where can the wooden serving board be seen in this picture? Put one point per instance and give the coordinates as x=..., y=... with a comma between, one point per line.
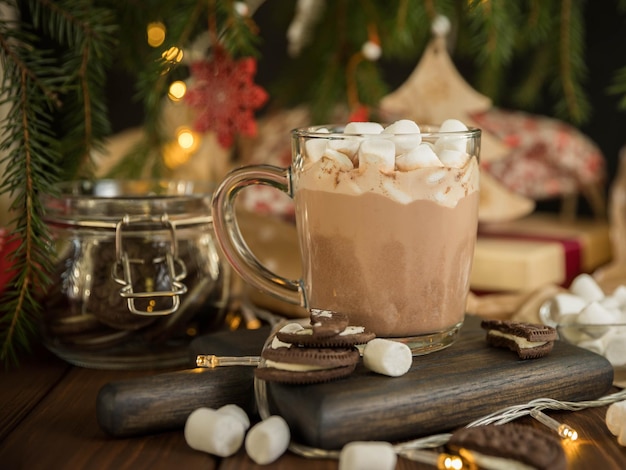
x=441, y=391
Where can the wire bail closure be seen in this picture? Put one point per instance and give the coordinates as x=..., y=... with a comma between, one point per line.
x=123, y=263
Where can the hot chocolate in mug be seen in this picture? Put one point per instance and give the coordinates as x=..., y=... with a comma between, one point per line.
x=386, y=219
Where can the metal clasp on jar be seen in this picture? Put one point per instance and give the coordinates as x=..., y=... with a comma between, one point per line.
x=172, y=262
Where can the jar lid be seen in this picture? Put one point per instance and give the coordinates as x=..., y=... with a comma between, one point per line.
x=101, y=204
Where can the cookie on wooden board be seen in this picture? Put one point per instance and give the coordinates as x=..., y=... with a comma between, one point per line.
x=295, y=333
x=527, y=340
x=290, y=363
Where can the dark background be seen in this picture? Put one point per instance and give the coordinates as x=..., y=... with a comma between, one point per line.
x=605, y=54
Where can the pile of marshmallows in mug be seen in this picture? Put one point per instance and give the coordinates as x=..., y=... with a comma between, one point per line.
x=404, y=150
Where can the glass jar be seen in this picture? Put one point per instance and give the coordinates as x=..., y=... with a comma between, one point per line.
x=138, y=273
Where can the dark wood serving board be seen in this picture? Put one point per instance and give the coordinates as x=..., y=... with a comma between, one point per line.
x=441, y=391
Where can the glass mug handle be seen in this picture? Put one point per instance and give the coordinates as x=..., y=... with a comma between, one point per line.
x=231, y=241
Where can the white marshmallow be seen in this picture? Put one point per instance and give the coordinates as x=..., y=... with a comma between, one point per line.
x=593, y=345
x=610, y=303
x=453, y=158
x=363, y=128
x=436, y=177
x=574, y=334
x=403, y=126
x=451, y=142
x=338, y=159
x=619, y=294
x=367, y=455
x=586, y=287
x=404, y=143
x=387, y=357
x=347, y=146
x=379, y=153
x=268, y=440
x=616, y=421
x=237, y=412
x=315, y=149
x=615, y=350
x=452, y=125
x=217, y=433
x=565, y=303
x=595, y=313
x=422, y=156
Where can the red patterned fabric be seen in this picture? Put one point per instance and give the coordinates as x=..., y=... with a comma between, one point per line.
x=547, y=157
x=224, y=96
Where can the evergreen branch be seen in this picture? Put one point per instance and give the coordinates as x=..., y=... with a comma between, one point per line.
x=571, y=65
x=618, y=87
x=28, y=169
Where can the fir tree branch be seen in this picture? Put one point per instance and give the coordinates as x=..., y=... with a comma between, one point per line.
x=571, y=65
x=33, y=84
x=28, y=140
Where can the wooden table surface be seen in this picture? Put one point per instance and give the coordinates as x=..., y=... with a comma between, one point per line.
x=48, y=421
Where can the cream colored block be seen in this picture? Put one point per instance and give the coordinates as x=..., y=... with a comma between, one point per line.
x=516, y=265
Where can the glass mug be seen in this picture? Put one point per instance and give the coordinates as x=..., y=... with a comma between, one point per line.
x=385, y=237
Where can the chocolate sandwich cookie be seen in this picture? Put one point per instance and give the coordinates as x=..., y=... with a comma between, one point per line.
x=294, y=333
x=528, y=340
x=327, y=323
x=297, y=365
x=499, y=445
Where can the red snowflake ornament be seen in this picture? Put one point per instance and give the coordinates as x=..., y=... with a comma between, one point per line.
x=224, y=96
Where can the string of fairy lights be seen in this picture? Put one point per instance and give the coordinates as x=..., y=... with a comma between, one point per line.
x=424, y=449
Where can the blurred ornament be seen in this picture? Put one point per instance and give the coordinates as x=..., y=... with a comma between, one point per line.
x=8, y=244
x=224, y=96
x=299, y=32
x=436, y=91
x=546, y=157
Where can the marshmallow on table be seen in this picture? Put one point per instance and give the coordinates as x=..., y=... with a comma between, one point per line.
x=238, y=413
x=268, y=440
x=379, y=153
x=616, y=421
x=216, y=432
x=366, y=455
x=387, y=357
x=586, y=287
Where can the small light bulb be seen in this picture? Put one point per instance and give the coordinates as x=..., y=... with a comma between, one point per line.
x=156, y=33
x=173, y=54
x=449, y=462
x=186, y=139
x=562, y=430
x=177, y=90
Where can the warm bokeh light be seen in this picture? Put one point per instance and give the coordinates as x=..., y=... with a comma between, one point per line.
x=156, y=33
x=174, y=155
x=177, y=90
x=187, y=139
x=173, y=54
